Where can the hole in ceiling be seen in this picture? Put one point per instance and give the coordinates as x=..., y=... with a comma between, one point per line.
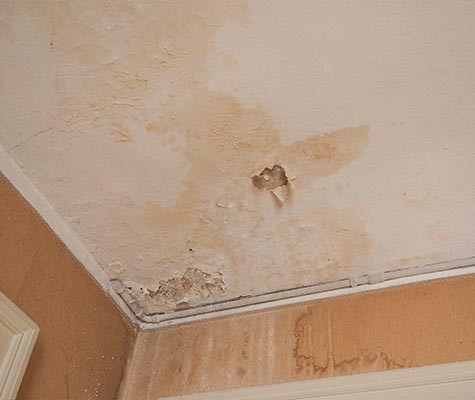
x=270, y=179
x=275, y=180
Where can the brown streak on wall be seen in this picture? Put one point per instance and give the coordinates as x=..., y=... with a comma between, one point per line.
x=414, y=325
x=84, y=339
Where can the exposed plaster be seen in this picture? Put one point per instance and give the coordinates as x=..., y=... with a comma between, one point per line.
x=177, y=292
x=270, y=178
x=275, y=180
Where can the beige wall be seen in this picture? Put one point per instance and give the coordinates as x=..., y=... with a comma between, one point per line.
x=406, y=326
x=84, y=340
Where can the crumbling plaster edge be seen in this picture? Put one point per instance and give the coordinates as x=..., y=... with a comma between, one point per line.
x=30, y=192
x=285, y=298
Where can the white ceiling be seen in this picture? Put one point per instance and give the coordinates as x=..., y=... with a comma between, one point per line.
x=144, y=122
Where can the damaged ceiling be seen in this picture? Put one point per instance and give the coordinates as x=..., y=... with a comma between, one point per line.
x=208, y=150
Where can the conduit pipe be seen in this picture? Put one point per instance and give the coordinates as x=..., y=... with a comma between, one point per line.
x=297, y=295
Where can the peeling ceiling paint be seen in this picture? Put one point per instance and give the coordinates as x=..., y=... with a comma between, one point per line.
x=208, y=150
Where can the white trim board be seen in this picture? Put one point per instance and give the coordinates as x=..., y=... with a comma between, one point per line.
x=360, y=386
x=20, y=332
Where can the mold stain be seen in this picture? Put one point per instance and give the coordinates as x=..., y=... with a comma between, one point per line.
x=321, y=362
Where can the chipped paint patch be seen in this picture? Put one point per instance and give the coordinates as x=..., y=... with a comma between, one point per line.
x=275, y=180
x=193, y=284
x=270, y=178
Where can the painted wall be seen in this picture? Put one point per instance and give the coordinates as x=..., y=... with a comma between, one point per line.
x=84, y=339
x=407, y=326
x=149, y=119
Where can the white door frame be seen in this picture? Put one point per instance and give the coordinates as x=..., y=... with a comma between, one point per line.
x=18, y=334
x=462, y=373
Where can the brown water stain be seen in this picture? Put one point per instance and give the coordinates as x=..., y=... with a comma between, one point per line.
x=226, y=143
x=117, y=70
x=309, y=353
x=415, y=325
x=152, y=73
x=325, y=154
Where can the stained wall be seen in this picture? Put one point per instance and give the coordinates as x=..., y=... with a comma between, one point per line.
x=84, y=339
x=406, y=326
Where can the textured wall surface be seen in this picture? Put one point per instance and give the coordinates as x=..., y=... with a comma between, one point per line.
x=84, y=339
x=144, y=122
x=407, y=326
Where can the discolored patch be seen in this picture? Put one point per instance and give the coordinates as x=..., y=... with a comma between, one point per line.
x=224, y=141
x=309, y=353
x=194, y=283
x=324, y=154
x=200, y=149
x=120, y=134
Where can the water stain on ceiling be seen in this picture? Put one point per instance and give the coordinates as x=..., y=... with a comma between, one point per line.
x=204, y=151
